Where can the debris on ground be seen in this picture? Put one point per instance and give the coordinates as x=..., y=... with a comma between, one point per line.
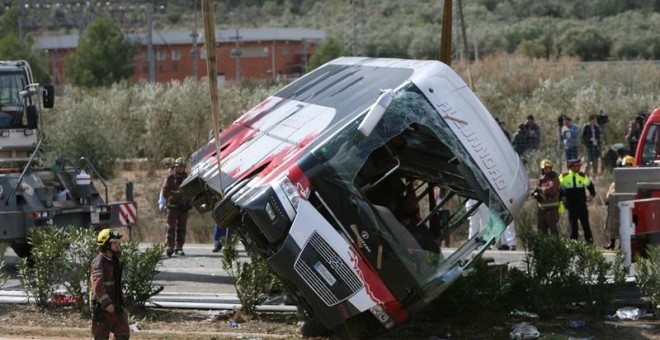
x=222, y=315
x=524, y=331
x=575, y=324
x=628, y=313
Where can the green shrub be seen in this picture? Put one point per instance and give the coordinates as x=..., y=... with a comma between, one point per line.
x=561, y=272
x=140, y=268
x=648, y=275
x=4, y=276
x=62, y=257
x=77, y=270
x=45, y=269
x=252, y=280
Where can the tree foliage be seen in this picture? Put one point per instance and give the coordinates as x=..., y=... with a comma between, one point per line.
x=588, y=44
x=103, y=55
x=329, y=50
x=14, y=48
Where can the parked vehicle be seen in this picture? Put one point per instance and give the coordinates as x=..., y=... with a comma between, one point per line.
x=40, y=197
x=637, y=197
x=342, y=182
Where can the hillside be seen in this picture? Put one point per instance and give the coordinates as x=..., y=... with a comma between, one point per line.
x=588, y=29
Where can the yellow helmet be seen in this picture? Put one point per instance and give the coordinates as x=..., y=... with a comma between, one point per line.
x=105, y=235
x=628, y=160
x=180, y=162
x=546, y=163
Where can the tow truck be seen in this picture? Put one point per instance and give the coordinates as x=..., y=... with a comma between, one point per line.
x=637, y=194
x=342, y=182
x=33, y=196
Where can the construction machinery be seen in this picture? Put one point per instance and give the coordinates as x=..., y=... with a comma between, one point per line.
x=635, y=205
x=31, y=196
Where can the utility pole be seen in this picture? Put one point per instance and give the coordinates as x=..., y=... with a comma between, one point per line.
x=194, y=54
x=237, y=55
x=354, y=35
x=446, y=37
x=304, y=48
x=20, y=20
x=212, y=68
x=150, y=45
x=272, y=54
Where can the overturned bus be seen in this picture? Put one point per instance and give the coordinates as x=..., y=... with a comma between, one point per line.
x=346, y=180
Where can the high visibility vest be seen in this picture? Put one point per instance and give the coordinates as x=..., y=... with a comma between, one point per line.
x=574, y=180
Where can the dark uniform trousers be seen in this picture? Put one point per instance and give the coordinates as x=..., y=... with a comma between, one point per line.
x=547, y=220
x=177, y=220
x=111, y=322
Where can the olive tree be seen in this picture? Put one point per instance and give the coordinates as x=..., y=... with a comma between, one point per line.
x=103, y=56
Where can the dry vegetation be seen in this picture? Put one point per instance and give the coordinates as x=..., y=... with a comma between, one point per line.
x=152, y=122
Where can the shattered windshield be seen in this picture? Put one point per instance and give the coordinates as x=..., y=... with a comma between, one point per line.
x=397, y=193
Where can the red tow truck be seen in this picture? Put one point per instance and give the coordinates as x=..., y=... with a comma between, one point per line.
x=638, y=193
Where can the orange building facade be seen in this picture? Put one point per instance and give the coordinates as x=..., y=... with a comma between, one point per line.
x=261, y=53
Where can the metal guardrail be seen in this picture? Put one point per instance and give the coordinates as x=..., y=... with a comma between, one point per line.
x=175, y=301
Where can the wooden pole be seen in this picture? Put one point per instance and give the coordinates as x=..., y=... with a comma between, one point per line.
x=445, y=37
x=212, y=70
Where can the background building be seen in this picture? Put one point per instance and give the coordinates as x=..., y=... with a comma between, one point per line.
x=252, y=53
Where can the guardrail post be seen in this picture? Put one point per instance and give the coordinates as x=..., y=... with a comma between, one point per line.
x=129, y=191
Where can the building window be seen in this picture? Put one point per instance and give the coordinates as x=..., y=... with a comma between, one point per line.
x=176, y=55
x=254, y=52
x=161, y=55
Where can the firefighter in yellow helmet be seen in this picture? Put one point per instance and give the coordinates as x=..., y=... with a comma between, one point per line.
x=177, y=205
x=546, y=194
x=107, y=299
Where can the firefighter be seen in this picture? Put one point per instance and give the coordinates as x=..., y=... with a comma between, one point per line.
x=177, y=206
x=108, y=313
x=546, y=194
x=574, y=185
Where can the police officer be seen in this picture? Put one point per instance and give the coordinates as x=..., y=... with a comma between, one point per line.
x=177, y=208
x=108, y=313
x=546, y=194
x=574, y=184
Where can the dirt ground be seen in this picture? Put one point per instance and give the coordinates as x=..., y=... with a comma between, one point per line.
x=26, y=322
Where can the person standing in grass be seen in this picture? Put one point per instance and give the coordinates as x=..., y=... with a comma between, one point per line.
x=569, y=136
x=546, y=194
x=574, y=185
x=591, y=138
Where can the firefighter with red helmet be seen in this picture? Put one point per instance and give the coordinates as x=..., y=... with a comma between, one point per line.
x=177, y=205
x=546, y=194
x=106, y=296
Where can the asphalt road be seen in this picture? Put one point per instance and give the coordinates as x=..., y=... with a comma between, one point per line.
x=198, y=272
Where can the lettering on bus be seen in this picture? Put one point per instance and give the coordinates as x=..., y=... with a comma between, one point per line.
x=475, y=144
